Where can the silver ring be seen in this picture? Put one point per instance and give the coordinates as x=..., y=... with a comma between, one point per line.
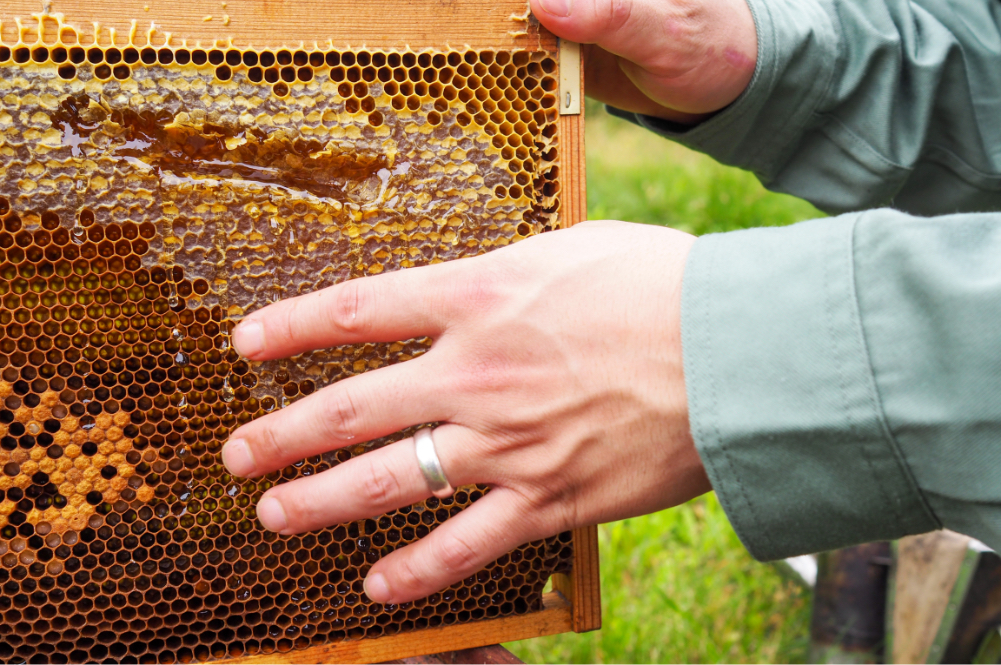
x=430, y=465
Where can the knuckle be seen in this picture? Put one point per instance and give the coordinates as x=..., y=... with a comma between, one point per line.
x=479, y=290
x=349, y=310
x=565, y=515
x=297, y=511
x=487, y=371
x=456, y=554
x=618, y=13
x=546, y=507
x=302, y=511
x=268, y=445
x=560, y=511
x=340, y=415
x=556, y=492
x=287, y=325
x=382, y=488
x=406, y=574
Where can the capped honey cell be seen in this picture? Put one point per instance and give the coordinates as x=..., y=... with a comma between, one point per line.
x=150, y=197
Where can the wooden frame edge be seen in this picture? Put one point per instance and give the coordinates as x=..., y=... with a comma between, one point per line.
x=573, y=176
x=554, y=617
x=582, y=586
x=502, y=24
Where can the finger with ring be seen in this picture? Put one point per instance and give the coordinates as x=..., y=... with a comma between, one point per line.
x=430, y=465
x=376, y=482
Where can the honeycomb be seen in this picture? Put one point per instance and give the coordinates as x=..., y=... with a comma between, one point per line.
x=149, y=198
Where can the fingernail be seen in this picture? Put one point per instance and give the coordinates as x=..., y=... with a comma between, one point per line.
x=557, y=7
x=248, y=338
x=271, y=514
x=377, y=589
x=238, y=459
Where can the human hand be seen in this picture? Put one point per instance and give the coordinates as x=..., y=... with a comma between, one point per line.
x=676, y=59
x=556, y=372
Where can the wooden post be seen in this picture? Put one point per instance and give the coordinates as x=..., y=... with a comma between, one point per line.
x=926, y=572
x=849, y=604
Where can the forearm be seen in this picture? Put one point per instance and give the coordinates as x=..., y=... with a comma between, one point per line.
x=843, y=379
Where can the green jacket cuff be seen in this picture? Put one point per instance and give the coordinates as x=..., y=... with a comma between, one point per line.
x=782, y=399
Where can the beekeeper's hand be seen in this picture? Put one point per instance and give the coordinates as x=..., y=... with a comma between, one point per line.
x=676, y=59
x=556, y=375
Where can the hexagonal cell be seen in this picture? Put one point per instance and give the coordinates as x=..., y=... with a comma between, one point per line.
x=121, y=535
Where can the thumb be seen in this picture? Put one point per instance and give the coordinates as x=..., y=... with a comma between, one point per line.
x=695, y=56
x=636, y=30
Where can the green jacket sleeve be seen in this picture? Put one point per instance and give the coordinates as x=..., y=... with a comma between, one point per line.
x=844, y=375
x=844, y=378
x=856, y=104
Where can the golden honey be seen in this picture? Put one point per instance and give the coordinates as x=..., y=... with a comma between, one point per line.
x=149, y=198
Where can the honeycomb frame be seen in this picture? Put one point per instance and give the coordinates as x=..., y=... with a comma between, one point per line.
x=105, y=291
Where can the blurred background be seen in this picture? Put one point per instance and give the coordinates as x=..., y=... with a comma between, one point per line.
x=677, y=586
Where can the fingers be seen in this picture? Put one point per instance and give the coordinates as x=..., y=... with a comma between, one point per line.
x=387, y=478
x=376, y=482
x=357, y=409
x=383, y=308
x=637, y=30
x=496, y=524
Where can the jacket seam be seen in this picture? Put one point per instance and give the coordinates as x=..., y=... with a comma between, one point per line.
x=932, y=153
x=852, y=429
x=825, y=128
x=875, y=395
x=946, y=158
x=752, y=511
x=814, y=101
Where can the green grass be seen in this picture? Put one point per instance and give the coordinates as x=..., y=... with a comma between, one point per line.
x=677, y=586
x=636, y=176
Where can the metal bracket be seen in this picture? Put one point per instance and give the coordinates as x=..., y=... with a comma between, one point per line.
x=570, y=100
